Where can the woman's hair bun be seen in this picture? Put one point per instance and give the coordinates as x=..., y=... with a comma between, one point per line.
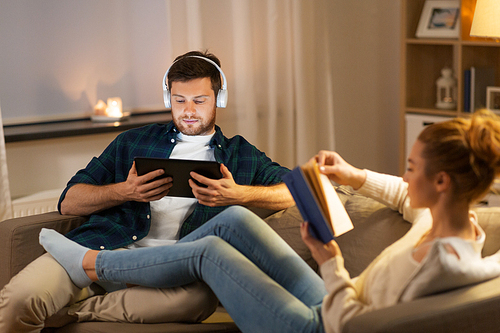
x=484, y=139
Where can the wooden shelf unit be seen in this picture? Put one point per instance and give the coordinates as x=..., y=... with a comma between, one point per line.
x=423, y=59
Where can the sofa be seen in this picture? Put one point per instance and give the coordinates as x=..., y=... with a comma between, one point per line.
x=474, y=308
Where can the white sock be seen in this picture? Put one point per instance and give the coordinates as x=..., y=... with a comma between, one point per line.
x=68, y=254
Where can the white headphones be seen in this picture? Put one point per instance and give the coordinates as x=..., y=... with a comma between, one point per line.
x=221, y=96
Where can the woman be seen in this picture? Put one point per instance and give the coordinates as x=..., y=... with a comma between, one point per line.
x=266, y=287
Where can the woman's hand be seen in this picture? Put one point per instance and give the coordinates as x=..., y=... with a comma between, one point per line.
x=337, y=169
x=319, y=251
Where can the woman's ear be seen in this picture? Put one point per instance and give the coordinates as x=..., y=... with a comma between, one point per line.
x=442, y=181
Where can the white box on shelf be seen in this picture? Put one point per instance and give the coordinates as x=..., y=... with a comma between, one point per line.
x=415, y=123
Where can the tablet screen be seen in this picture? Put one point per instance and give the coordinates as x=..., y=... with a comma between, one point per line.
x=179, y=170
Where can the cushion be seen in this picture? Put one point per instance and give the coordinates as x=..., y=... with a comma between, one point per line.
x=375, y=227
x=489, y=220
x=287, y=224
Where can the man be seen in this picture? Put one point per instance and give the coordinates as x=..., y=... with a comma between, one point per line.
x=128, y=210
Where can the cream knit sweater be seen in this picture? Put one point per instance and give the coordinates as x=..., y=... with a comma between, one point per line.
x=394, y=276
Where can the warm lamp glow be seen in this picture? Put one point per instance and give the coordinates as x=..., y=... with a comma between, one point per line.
x=486, y=22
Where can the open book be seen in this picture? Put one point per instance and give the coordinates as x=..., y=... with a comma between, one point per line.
x=318, y=202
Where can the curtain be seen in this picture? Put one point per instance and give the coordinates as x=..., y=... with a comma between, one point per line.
x=5, y=200
x=276, y=57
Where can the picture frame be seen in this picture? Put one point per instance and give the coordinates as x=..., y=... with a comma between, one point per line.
x=439, y=19
x=493, y=99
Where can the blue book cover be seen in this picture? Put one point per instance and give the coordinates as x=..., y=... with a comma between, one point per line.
x=308, y=205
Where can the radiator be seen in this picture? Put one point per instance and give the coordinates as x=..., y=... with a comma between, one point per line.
x=41, y=202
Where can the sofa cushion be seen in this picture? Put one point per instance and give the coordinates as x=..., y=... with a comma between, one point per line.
x=287, y=224
x=375, y=227
x=489, y=220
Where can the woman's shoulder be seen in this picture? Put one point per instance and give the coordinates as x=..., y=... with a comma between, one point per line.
x=449, y=262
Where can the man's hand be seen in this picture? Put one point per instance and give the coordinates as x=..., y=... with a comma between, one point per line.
x=319, y=251
x=85, y=199
x=225, y=191
x=219, y=192
x=143, y=188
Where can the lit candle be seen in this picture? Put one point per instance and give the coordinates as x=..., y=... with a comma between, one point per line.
x=114, y=108
x=100, y=108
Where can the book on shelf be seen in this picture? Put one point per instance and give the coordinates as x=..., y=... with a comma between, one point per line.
x=318, y=202
x=480, y=78
x=467, y=90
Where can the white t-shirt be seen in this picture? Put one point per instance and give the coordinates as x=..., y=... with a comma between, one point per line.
x=168, y=213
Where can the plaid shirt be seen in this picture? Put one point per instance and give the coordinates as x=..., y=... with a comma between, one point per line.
x=124, y=224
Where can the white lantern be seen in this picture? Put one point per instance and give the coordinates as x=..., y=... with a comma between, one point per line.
x=446, y=90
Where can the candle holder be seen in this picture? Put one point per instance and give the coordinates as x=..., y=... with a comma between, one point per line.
x=446, y=90
x=110, y=112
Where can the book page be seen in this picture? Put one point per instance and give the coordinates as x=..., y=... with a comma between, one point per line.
x=311, y=170
x=338, y=216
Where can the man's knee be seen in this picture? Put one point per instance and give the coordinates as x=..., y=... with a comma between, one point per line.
x=242, y=218
x=203, y=300
x=37, y=292
x=27, y=306
x=18, y=306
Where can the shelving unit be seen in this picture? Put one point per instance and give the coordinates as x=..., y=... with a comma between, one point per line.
x=423, y=59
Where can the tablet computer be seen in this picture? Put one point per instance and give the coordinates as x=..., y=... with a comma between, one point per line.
x=179, y=170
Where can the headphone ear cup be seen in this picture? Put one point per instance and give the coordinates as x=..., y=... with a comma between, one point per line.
x=166, y=98
x=222, y=98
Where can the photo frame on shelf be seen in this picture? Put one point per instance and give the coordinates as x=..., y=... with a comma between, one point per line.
x=493, y=99
x=439, y=19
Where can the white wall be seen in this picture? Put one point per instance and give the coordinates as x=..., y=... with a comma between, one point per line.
x=59, y=57
x=366, y=39
x=41, y=165
x=366, y=97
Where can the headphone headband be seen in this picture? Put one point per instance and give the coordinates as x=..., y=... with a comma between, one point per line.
x=221, y=95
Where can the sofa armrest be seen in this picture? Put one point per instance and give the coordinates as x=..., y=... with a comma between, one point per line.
x=468, y=309
x=19, y=239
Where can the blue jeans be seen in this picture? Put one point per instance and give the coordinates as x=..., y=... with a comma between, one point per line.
x=263, y=284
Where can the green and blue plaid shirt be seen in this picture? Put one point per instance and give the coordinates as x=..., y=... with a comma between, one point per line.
x=122, y=225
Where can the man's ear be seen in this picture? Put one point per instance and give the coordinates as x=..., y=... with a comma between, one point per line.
x=442, y=181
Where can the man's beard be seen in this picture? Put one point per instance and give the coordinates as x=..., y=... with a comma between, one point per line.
x=199, y=128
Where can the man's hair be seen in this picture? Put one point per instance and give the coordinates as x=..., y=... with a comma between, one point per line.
x=186, y=67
